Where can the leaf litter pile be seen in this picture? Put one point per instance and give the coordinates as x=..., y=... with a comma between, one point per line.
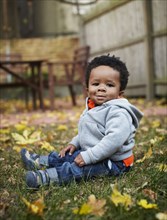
x=139, y=194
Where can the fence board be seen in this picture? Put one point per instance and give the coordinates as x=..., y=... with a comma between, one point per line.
x=137, y=32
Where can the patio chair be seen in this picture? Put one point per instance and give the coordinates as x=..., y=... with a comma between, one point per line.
x=68, y=73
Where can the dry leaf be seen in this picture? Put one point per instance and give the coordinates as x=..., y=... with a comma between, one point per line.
x=93, y=206
x=147, y=155
x=37, y=207
x=151, y=194
x=161, y=216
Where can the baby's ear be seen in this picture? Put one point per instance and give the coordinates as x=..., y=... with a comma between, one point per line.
x=121, y=93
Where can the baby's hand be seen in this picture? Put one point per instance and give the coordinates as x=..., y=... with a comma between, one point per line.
x=71, y=148
x=79, y=160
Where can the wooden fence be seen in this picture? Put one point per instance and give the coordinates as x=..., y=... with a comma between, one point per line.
x=136, y=31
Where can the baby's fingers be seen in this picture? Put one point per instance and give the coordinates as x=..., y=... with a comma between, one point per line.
x=72, y=149
x=62, y=153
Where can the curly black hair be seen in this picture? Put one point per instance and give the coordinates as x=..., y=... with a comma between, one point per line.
x=113, y=62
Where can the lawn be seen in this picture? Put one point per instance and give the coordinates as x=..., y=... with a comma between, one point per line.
x=140, y=194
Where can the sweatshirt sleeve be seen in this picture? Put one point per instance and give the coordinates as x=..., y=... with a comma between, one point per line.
x=75, y=141
x=118, y=129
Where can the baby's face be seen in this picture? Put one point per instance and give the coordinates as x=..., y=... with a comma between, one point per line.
x=104, y=84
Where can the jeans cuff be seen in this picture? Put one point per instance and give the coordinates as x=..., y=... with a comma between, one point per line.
x=43, y=160
x=53, y=175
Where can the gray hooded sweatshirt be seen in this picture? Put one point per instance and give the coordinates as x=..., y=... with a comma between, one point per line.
x=107, y=131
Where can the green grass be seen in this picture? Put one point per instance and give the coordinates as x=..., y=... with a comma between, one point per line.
x=144, y=181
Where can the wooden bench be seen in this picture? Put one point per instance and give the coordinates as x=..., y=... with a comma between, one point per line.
x=68, y=73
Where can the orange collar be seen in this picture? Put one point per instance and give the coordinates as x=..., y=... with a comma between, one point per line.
x=91, y=104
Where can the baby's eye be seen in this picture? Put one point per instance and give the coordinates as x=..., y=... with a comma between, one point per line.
x=110, y=85
x=95, y=84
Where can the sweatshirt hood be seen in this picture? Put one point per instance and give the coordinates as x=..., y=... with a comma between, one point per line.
x=135, y=113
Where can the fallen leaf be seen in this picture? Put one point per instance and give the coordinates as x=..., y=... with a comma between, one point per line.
x=146, y=156
x=161, y=131
x=151, y=194
x=62, y=128
x=5, y=131
x=93, y=206
x=4, y=137
x=118, y=198
x=97, y=205
x=17, y=148
x=156, y=124
x=37, y=207
x=21, y=126
x=162, y=167
x=143, y=203
x=26, y=138
x=153, y=141
x=161, y=216
x=84, y=210
x=47, y=146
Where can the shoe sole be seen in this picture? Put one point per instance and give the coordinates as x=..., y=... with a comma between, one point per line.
x=28, y=165
x=31, y=180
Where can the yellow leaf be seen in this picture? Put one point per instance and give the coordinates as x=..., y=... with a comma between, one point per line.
x=36, y=207
x=47, y=146
x=5, y=131
x=4, y=137
x=143, y=203
x=153, y=141
x=61, y=115
x=84, y=210
x=146, y=156
x=62, y=128
x=117, y=198
x=97, y=205
x=18, y=138
x=17, y=148
x=156, y=124
x=25, y=138
x=26, y=133
x=36, y=135
x=93, y=206
x=162, y=167
x=20, y=126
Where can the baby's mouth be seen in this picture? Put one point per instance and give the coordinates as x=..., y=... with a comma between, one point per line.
x=100, y=97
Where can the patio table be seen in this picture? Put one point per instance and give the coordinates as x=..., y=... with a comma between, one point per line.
x=34, y=80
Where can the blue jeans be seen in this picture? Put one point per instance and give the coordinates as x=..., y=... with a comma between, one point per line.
x=67, y=170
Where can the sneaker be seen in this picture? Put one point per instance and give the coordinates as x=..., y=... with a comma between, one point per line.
x=31, y=161
x=35, y=179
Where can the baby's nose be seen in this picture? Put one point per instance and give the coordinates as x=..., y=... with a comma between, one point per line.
x=102, y=88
